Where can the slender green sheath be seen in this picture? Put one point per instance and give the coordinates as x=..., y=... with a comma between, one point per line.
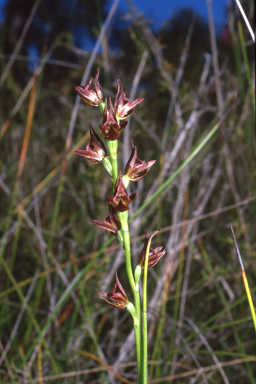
x=145, y=325
x=138, y=330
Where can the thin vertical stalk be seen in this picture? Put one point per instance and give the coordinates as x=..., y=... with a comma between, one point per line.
x=247, y=67
x=123, y=217
x=128, y=262
x=248, y=293
x=245, y=19
x=145, y=324
x=112, y=147
x=215, y=56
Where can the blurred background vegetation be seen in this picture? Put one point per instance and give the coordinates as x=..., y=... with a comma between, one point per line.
x=54, y=328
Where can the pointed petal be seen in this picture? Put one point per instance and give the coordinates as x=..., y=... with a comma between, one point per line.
x=97, y=86
x=128, y=109
x=120, y=286
x=131, y=162
x=104, y=225
x=108, y=302
x=90, y=156
x=132, y=197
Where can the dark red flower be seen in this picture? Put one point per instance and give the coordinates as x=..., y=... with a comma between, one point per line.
x=134, y=171
x=121, y=200
x=95, y=149
x=154, y=254
x=110, y=127
x=123, y=107
x=89, y=96
x=118, y=296
x=111, y=224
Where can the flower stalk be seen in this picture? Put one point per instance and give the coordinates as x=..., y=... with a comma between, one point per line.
x=145, y=321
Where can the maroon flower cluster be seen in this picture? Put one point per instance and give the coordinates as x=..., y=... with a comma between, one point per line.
x=121, y=110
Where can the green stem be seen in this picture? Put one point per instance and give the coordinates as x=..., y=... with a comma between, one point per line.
x=145, y=325
x=137, y=324
x=112, y=147
x=123, y=217
x=137, y=331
